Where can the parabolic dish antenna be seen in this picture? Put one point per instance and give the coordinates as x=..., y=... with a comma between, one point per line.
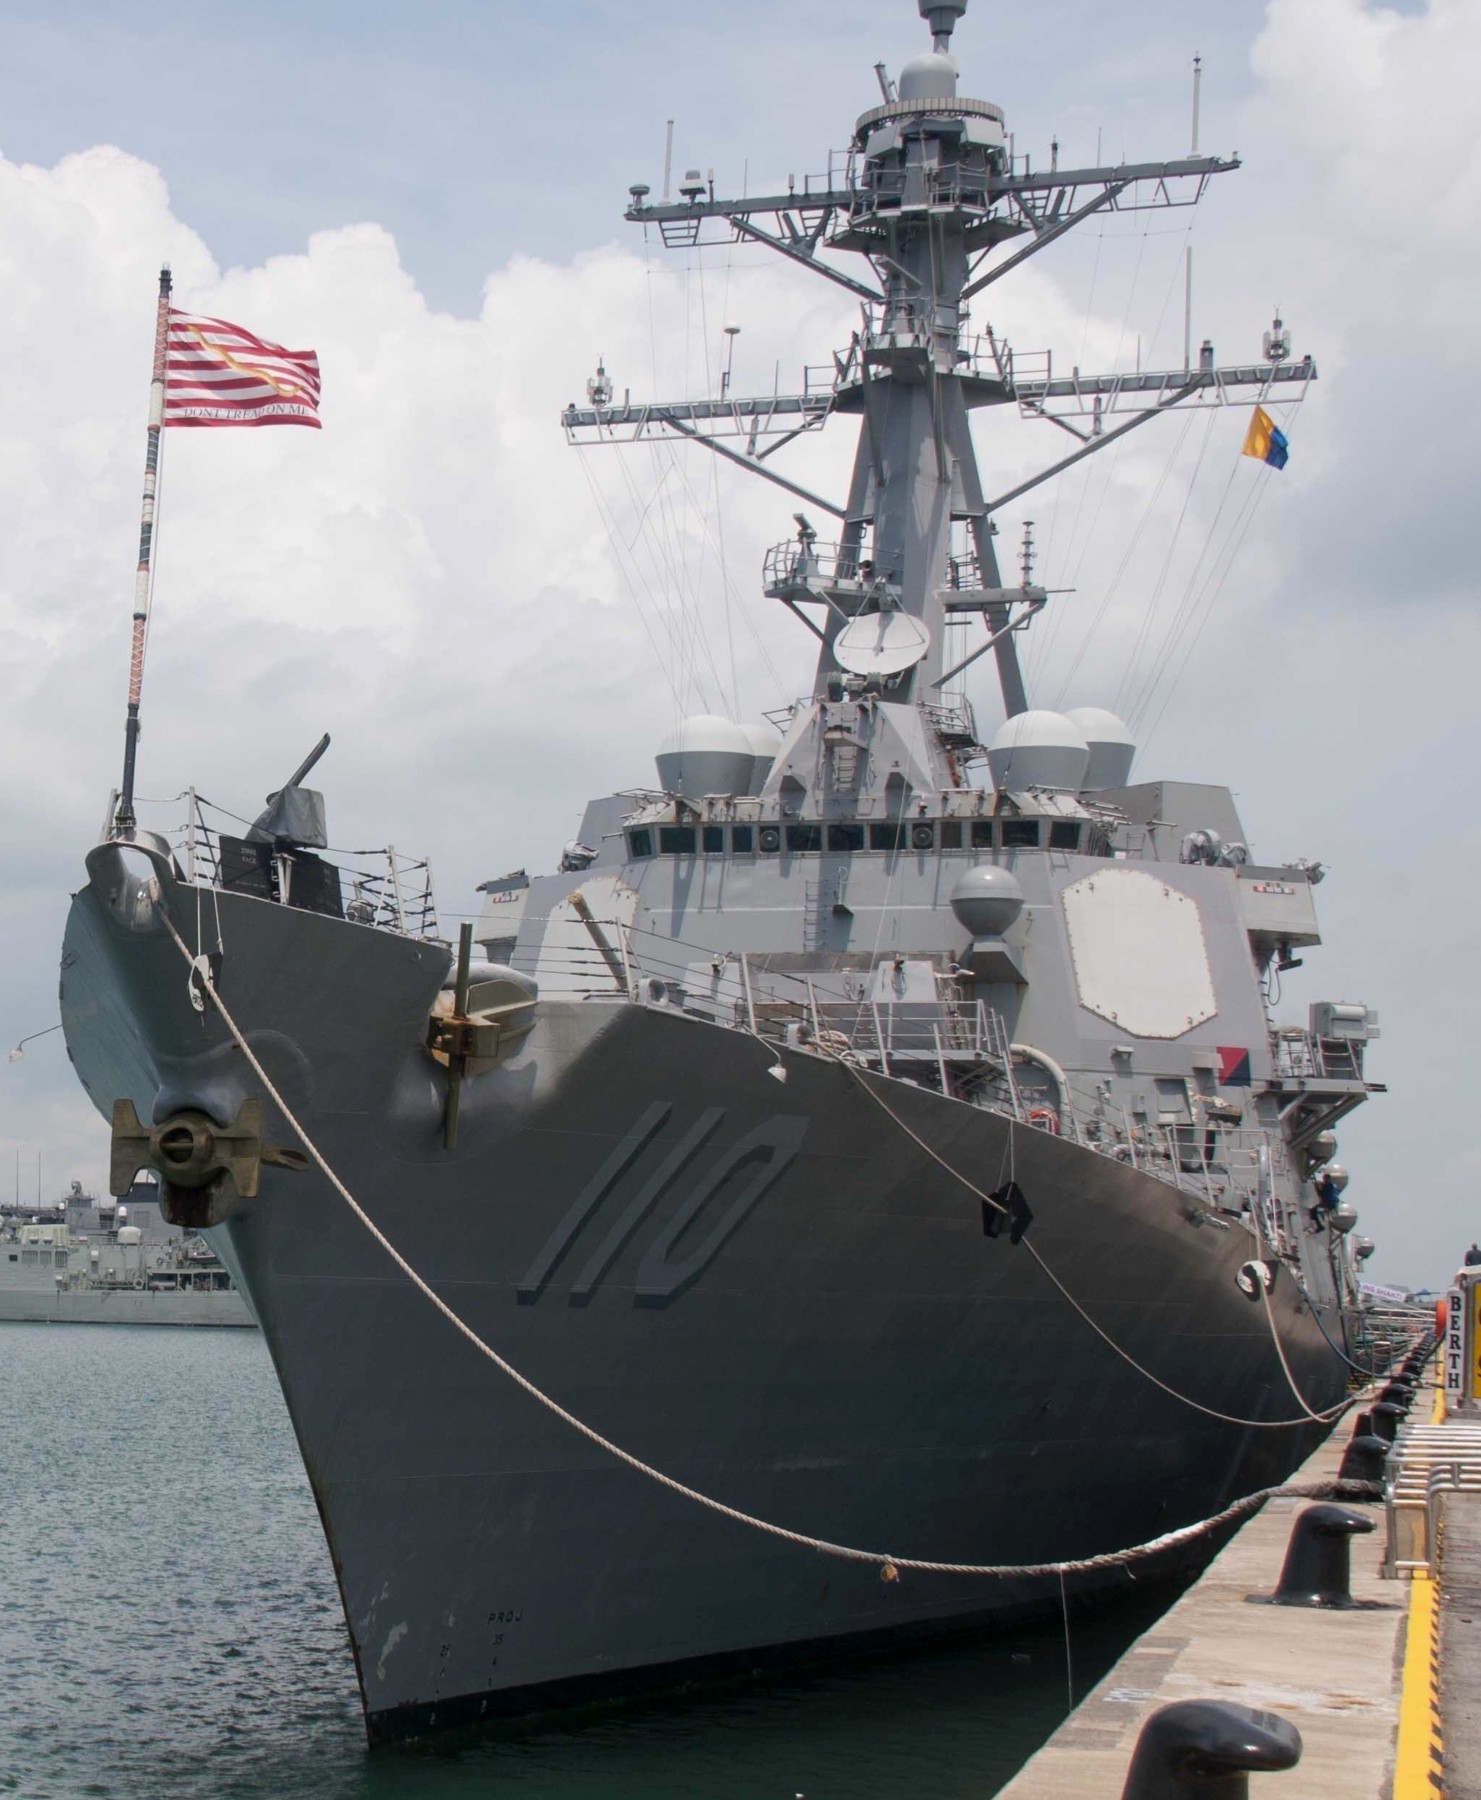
x=881, y=643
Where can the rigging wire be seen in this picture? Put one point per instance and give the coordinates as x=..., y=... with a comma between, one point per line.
x=1154, y=599
x=778, y=684
x=1176, y=625
x=1132, y=545
x=621, y=561
x=716, y=538
x=1041, y=654
x=661, y=545
x=1217, y=577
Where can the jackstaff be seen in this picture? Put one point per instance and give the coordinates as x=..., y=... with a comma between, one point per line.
x=207, y=372
x=124, y=820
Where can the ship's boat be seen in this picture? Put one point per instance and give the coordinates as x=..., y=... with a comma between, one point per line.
x=877, y=1135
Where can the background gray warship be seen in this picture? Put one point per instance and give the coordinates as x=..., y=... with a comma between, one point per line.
x=903, y=1154
x=105, y=1261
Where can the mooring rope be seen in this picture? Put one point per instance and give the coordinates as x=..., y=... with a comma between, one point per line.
x=1321, y=1418
x=888, y=1564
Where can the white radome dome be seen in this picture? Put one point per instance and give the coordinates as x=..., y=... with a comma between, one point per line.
x=1038, y=749
x=928, y=77
x=705, y=754
x=986, y=900
x=765, y=741
x=1112, y=747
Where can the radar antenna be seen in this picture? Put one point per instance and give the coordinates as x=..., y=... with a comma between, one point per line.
x=926, y=199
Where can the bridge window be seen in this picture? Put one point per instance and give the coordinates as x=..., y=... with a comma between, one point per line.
x=951, y=834
x=743, y=839
x=676, y=840
x=845, y=837
x=712, y=839
x=885, y=837
x=982, y=834
x=804, y=837
x=1064, y=834
x=1020, y=834
x=640, y=843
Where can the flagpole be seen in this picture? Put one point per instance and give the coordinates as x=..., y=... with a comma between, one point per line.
x=124, y=820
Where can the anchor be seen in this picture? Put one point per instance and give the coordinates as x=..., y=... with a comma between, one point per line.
x=194, y=1156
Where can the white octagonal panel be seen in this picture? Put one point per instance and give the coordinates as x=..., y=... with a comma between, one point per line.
x=1139, y=955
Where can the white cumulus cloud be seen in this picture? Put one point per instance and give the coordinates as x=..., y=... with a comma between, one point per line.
x=494, y=627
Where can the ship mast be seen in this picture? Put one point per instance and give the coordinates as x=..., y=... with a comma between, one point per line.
x=927, y=193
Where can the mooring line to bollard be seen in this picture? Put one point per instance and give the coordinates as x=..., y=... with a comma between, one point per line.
x=1328, y=1417
x=888, y=1564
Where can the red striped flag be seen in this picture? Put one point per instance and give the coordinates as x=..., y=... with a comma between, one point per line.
x=218, y=374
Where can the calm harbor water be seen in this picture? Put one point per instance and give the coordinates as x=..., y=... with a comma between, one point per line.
x=169, y=1627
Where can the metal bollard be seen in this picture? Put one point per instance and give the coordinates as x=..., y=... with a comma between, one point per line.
x=1383, y=1420
x=1318, y=1565
x=1205, y=1750
x=1401, y=1393
x=1365, y=1458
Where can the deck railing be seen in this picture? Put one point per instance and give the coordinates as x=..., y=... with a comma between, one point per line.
x=382, y=888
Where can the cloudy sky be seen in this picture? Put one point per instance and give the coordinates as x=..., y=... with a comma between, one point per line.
x=493, y=626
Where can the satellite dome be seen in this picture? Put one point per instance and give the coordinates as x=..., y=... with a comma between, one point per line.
x=986, y=900
x=1038, y=749
x=928, y=77
x=765, y=743
x=705, y=755
x=1112, y=747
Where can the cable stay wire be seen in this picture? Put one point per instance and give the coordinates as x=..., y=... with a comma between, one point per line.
x=1129, y=552
x=621, y=561
x=1154, y=599
x=1217, y=576
x=1041, y=651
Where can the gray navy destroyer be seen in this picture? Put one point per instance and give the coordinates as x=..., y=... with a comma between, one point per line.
x=879, y=1124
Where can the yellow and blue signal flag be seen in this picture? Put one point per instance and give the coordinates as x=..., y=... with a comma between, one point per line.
x=1266, y=440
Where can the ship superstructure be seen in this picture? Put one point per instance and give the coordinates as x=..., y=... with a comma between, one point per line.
x=90, y=1260
x=880, y=1131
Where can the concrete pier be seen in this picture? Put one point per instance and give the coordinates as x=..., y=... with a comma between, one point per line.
x=1336, y=1675
x=1387, y=1698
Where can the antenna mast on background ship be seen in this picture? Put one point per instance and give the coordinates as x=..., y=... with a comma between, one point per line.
x=927, y=193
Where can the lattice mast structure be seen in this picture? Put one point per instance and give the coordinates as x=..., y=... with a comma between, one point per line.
x=928, y=194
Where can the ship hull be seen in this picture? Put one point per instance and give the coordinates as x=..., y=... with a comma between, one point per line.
x=122, y=1306
x=770, y=1290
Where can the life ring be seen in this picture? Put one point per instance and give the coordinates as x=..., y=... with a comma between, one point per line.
x=159, y=1261
x=1046, y=1118
x=138, y=1281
